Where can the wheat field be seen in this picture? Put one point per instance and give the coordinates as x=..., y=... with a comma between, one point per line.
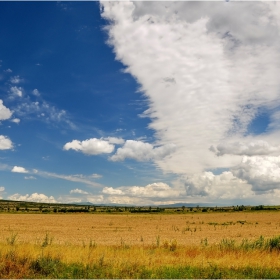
x=199, y=245
x=139, y=229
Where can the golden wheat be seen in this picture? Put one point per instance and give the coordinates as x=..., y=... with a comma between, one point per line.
x=139, y=229
x=149, y=256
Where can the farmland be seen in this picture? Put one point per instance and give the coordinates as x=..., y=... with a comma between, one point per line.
x=140, y=229
x=169, y=244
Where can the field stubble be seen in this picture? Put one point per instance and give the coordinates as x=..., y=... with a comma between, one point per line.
x=139, y=229
x=114, y=243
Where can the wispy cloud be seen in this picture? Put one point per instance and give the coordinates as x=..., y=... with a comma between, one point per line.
x=79, y=191
x=15, y=80
x=30, y=178
x=36, y=92
x=73, y=178
x=95, y=176
x=42, y=110
x=16, y=91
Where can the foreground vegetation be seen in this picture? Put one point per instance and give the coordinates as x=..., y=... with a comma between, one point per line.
x=258, y=258
x=170, y=244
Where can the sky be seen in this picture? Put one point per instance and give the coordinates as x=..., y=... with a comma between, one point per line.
x=140, y=103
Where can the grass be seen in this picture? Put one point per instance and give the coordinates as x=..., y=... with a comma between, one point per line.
x=200, y=245
x=228, y=259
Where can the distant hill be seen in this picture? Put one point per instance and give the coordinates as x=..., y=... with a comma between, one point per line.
x=187, y=205
x=87, y=203
x=161, y=206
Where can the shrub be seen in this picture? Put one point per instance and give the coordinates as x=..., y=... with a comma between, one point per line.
x=273, y=243
x=227, y=244
x=47, y=240
x=171, y=245
x=11, y=240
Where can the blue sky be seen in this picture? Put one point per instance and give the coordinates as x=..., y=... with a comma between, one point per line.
x=140, y=102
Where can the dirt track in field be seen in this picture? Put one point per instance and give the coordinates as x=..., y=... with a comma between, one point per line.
x=112, y=229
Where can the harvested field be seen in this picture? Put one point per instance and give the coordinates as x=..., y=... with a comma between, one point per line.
x=189, y=245
x=139, y=229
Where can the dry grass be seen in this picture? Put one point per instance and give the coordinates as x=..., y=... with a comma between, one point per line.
x=139, y=229
x=146, y=256
x=133, y=242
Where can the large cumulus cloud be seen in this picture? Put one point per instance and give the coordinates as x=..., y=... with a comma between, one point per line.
x=263, y=173
x=207, y=71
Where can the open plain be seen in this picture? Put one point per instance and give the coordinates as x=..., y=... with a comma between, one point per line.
x=140, y=229
x=125, y=245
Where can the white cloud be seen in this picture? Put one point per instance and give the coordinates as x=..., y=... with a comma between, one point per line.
x=36, y=92
x=2, y=189
x=16, y=120
x=17, y=91
x=155, y=190
x=91, y=146
x=42, y=111
x=15, y=80
x=114, y=140
x=5, y=113
x=19, y=169
x=35, y=197
x=5, y=143
x=95, y=199
x=258, y=147
x=78, y=191
x=141, y=151
x=29, y=178
x=223, y=186
x=130, y=200
x=72, y=178
x=205, y=68
x=8, y=70
x=95, y=176
x=110, y=190
x=263, y=173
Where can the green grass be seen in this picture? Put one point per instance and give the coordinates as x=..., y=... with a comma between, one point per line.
x=261, y=243
x=47, y=267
